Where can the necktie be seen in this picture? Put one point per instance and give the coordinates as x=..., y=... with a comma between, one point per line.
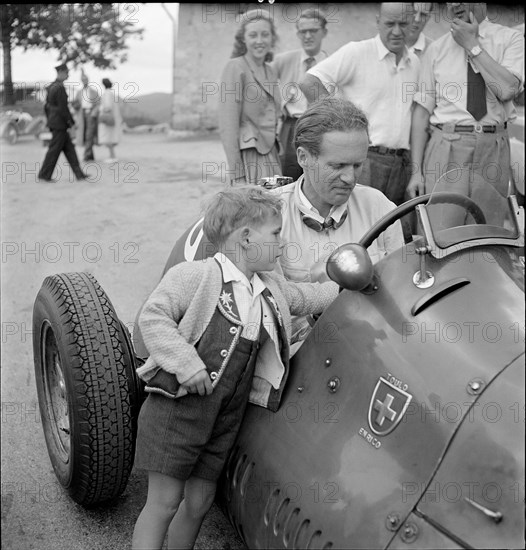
x=309, y=63
x=476, y=101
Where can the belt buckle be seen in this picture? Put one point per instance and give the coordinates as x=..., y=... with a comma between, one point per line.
x=478, y=128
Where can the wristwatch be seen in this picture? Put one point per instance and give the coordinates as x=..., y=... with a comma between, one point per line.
x=475, y=50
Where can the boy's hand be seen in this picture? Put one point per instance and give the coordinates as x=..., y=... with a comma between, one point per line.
x=199, y=383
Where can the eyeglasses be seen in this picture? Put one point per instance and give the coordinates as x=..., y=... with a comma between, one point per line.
x=311, y=31
x=328, y=223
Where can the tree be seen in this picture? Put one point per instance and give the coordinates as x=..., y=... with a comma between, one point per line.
x=80, y=33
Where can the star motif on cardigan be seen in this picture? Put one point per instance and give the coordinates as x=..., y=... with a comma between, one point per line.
x=226, y=300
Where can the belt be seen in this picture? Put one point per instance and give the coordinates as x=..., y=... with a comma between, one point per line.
x=478, y=128
x=381, y=150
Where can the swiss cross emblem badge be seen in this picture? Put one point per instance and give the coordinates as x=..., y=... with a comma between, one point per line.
x=387, y=407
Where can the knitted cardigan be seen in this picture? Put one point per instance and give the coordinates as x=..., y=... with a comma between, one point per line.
x=178, y=311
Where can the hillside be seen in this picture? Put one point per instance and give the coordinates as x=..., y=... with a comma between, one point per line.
x=147, y=109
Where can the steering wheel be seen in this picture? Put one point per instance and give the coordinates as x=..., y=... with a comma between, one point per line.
x=442, y=197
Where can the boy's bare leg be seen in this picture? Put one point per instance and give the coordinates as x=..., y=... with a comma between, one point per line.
x=198, y=498
x=164, y=496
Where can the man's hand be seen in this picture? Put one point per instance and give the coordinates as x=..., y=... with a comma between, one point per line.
x=415, y=187
x=199, y=383
x=318, y=271
x=465, y=34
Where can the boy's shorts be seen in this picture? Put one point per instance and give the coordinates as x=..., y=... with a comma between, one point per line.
x=191, y=436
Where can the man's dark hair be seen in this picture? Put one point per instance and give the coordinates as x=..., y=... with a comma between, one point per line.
x=313, y=13
x=328, y=114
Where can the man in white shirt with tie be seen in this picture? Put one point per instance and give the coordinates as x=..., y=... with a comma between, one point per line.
x=483, y=62
x=290, y=67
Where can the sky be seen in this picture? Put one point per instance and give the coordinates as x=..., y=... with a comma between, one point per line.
x=149, y=65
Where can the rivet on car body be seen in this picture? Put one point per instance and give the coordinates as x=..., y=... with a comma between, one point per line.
x=409, y=532
x=392, y=522
x=475, y=386
x=333, y=384
x=300, y=389
x=328, y=362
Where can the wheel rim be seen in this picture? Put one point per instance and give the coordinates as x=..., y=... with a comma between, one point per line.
x=56, y=398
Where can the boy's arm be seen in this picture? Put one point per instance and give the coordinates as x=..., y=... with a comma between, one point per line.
x=306, y=298
x=159, y=321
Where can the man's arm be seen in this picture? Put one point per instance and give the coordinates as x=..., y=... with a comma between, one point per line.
x=419, y=138
x=312, y=88
x=504, y=84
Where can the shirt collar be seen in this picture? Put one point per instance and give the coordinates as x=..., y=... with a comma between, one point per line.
x=383, y=52
x=483, y=27
x=231, y=273
x=318, y=57
x=336, y=212
x=420, y=44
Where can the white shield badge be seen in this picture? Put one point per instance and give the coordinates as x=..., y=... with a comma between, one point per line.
x=387, y=407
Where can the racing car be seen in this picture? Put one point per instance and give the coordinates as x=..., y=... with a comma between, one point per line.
x=14, y=124
x=402, y=423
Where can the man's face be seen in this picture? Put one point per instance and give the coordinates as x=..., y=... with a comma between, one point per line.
x=311, y=35
x=419, y=21
x=392, y=24
x=62, y=75
x=331, y=177
x=461, y=10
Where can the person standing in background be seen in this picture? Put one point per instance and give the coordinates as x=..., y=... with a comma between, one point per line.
x=379, y=75
x=250, y=102
x=290, y=68
x=109, y=120
x=85, y=105
x=467, y=129
x=415, y=39
x=59, y=120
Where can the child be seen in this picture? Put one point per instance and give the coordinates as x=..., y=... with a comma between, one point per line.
x=218, y=334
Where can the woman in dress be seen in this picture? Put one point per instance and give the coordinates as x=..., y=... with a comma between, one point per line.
x=249, y=106
x=110, y=119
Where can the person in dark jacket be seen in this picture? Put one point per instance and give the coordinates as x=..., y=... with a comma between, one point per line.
x=59, y=119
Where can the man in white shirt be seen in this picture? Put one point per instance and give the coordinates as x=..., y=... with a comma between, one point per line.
x=290, y=68
x=469, y=78
x=378, y=75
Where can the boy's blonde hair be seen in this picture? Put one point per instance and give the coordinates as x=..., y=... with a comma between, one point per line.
x=235, y=207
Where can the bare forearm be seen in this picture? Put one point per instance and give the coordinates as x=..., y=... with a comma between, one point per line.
x=312, y=88
x=419, y=136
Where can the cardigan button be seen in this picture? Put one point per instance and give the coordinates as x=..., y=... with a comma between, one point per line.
x=213, y=375
x=224, y=353
x=233, y=330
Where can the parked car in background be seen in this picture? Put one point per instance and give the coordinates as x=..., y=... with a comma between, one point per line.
x=14, y=124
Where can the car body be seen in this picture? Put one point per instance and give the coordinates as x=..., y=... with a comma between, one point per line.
x=14, y=124
x=402, y=423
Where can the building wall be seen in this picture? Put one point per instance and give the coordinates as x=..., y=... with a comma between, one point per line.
x=206, y=36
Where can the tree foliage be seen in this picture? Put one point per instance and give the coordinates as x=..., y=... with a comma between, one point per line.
x=80, y=33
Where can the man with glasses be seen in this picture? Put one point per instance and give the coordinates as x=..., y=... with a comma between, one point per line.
x=290, y=68
x=379, y=75
x=468, y=80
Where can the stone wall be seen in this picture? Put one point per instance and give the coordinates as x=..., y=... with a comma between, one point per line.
x=206, y=34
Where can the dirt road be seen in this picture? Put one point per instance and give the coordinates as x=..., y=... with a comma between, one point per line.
x=120, y=226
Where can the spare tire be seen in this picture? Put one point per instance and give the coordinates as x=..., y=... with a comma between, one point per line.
x=88, y=391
